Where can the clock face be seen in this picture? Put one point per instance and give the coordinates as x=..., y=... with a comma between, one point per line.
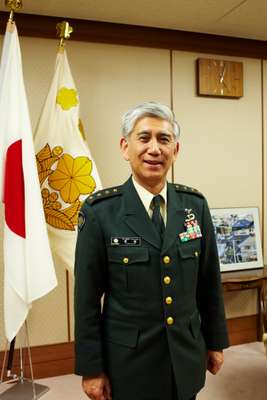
x=220, y=78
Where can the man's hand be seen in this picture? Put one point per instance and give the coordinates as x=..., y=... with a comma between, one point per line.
x=215, y=361
x=97, y=387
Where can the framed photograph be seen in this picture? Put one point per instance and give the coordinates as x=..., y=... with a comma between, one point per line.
x=237, y=233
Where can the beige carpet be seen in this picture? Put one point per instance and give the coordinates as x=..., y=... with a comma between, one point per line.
x=243, y=377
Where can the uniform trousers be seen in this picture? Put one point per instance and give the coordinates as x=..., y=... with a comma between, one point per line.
x=176, y=398
x=174, y=391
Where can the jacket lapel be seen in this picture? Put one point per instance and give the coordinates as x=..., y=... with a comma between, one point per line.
x=136, y=217
x=175, y=219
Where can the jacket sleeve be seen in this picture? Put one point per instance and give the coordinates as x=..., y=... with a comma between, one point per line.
x=209, y=293
x=90, y=276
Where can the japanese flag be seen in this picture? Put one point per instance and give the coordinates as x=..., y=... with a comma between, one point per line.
x=28, y=265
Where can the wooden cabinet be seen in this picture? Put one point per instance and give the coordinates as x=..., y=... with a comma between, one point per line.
x=258, y=282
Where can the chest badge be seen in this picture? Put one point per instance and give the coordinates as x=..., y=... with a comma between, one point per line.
x=192, y=229
x=125, y=241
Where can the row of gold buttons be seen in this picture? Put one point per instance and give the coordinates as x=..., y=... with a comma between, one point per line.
x=167, y=281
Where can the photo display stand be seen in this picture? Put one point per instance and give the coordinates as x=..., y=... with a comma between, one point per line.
x=21, y=388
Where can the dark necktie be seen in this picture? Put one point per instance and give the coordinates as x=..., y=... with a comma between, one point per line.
x=157, y=217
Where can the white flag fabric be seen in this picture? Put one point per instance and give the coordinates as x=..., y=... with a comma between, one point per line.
x=66, y=169
x=29, y=269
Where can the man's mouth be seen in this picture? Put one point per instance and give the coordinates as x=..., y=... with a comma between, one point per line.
x=153, y=162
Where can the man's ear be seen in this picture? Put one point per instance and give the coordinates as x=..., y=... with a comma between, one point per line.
x=124, y=148
x=176, y=151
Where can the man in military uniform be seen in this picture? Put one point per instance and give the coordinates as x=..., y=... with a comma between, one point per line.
x=149, y=247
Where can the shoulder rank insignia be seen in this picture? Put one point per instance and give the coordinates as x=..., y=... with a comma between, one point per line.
x=187, y=189
x=103, y=194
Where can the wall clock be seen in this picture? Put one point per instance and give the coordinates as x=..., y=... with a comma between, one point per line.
x=219, y=78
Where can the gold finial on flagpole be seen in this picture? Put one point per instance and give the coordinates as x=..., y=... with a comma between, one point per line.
x=13, y=5
x=63, y=31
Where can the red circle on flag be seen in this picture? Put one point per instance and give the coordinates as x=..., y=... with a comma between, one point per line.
x=14, y=193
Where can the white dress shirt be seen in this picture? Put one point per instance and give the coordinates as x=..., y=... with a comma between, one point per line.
x=146, y=198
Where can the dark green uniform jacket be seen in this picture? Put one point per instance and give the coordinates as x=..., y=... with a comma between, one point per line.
x=163, y=305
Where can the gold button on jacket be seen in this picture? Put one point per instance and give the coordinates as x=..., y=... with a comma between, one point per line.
x=170, y=321
x=167, y=280
x=166, y=260
x=168, y=300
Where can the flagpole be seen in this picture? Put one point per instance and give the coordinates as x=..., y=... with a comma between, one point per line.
x=13, y=5
x=64, y=31
x=10, y=356
x=23, y=388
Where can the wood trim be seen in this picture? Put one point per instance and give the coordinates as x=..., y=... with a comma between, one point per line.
x=58, y=359
x=105, y=32
x=171, y=102
x=262, y=160
x=171, y=80
x=242, y=329
x=68, y=303
x=48, y=360
x=249, y=283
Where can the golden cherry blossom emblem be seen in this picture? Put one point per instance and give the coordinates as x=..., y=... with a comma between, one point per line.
x=56, y=216
x=67, y=98
x=72, y=177
x=45, y=158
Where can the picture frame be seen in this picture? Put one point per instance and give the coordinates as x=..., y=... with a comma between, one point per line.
x=238, y=238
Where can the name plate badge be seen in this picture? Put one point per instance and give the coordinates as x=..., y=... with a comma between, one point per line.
x=125, y=241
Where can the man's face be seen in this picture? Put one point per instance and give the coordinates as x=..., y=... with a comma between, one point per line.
x=151, y=150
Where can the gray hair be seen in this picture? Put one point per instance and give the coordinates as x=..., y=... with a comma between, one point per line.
x=149, y=109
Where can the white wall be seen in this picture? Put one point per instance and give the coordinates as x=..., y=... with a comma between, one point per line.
x=221, y=147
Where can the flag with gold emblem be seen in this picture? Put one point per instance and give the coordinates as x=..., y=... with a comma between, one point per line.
x=67, y=172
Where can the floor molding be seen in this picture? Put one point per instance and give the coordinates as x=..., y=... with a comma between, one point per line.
x=58, y=359
x=48, y=360
x=243, y=329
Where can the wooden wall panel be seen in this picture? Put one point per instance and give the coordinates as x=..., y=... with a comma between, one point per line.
x=130, y=35
x=264, y=152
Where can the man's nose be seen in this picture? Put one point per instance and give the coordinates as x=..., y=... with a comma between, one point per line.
x=154, y=147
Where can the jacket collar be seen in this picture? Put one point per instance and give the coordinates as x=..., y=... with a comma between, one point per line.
x=136, y=217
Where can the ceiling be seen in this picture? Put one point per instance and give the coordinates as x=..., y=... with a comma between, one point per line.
x=247, y=18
